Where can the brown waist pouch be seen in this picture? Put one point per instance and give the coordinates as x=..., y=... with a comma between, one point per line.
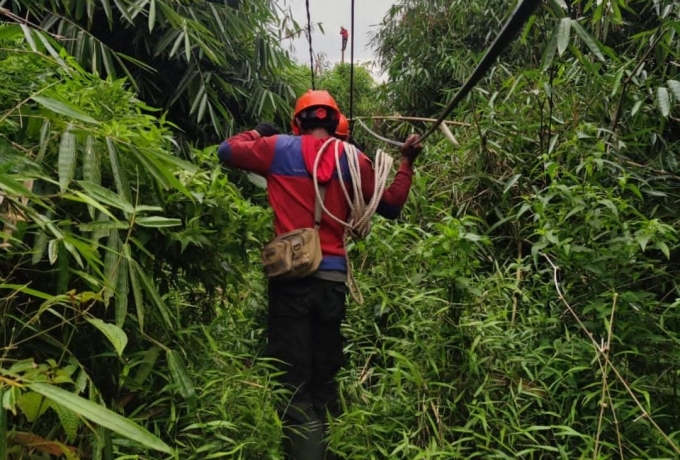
x=292, y=255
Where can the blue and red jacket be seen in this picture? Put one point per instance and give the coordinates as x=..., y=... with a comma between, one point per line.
x=287, y=163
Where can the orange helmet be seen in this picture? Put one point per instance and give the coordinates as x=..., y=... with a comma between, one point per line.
x=313, y=98
x=342, y=131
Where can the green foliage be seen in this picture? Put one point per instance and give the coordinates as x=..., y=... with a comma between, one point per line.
x=99, y=217
x=525, y=306
x=336, y=81
x=214, y=66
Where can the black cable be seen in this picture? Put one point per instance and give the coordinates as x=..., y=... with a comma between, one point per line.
x=351, y=74
x=309, y=38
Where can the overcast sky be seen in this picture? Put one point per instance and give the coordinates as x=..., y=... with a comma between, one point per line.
x=332, y=14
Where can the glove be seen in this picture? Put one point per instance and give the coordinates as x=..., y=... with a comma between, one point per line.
x=265, y=129
x=411, y=148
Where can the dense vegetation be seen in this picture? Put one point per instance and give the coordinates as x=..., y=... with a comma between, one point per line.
x=525, y=306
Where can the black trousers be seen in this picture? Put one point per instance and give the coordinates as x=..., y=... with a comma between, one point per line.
x=304, y=334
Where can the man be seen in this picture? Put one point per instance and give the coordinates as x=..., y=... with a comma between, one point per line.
x=305, y=314
x=345, y=36
x=342, y=133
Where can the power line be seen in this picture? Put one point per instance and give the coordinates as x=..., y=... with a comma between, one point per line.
x=309, y=38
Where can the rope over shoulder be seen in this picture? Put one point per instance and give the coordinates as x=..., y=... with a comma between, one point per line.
x=358, y=226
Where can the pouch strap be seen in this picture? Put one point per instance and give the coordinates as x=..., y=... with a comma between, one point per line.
x=317, y=206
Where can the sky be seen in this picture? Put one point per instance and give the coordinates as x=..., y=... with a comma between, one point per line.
x=332, y=14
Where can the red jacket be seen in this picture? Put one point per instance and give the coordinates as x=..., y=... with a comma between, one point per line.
x=287, y=162
x=344, y=32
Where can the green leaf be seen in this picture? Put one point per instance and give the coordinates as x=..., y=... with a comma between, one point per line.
x=122, y=292
x=101, y=415
x=136, y=289
x=510, y=183
x=53, y=251
x=69, y=421
x=664, y=248
x=3, y=416
x=181, y=378
x=587, y=39
x=257, y=180
x=152, y=14
x=63, y=108
x=157, y=221
x=664, y=100
x=9, y=32
x=112, y=332
x=106, y=196
x=67, y=158
x=151, y=291
x=549, y=52
x=33, y=405
x=28, y=34
x=674, y=86
x=563, y=35
x=91, y=167
x=147, y=365
x=111, y=258
x=119, y=175
x=106, y=225
x=39, y=247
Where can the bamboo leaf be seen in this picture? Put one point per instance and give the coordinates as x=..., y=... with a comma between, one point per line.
x=153, y=294
x=64, y=109
x=107, y=196
x=39, y=247
x=91, y=167
x=587, y=39
x=152, y=14
x=67, y=158
x=101, y=415
x=111, y=258
x=112, y=332
x=44, y=140
x=53, y=251
x=122, y=292
x=664, y=100
x=181, y=378
x=119, y=176
x=563, y=35
x=674, y=86
x=136, y=289
x=29, y=37
x=144, y=370
x=157, y=221
x=549, y=52
x=103, y=225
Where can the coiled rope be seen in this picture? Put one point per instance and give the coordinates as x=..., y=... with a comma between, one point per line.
x=358, y=226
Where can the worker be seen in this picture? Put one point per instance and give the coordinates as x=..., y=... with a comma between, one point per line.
x=342, y=132
x=345, y=36
x=305, y=314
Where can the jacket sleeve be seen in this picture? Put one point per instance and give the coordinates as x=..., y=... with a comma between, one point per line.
x=248, y=151
x=395, y=195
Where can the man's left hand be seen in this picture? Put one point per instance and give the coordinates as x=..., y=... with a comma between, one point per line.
x=266, y=129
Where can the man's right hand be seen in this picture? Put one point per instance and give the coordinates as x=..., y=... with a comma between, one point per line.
x=411, y=148
x=265, y=129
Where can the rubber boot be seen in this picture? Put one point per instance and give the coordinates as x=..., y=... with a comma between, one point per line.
x=305, y=441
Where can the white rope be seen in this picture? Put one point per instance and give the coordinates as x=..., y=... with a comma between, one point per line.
x=358, y=226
